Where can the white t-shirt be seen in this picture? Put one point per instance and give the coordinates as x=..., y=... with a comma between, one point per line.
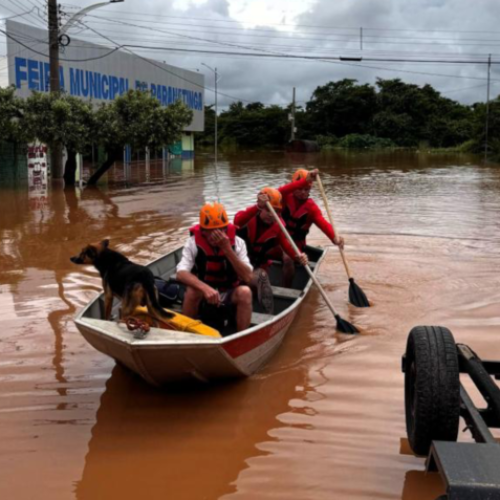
x=190, y=251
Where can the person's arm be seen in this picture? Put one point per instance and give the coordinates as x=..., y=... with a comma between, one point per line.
x=292, y=186
x=325, y=226
x=301, y=258
x=243, y=217
x=243, y=269
x=185, y=276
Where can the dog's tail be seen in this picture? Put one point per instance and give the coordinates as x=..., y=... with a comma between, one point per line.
x=154, y=307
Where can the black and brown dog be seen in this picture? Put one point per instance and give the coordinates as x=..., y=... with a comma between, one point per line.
x=132, y=283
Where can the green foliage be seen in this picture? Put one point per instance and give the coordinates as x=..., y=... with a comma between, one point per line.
x=11, y=112
x=137, y=119
x=341, y=108
x=207, y=137
x=254, y=125
x=365, y=141
x=134, y=118
x=327, y=141
x=53, y=118
x=398, y=113
x=479, y=130
x=409, y=114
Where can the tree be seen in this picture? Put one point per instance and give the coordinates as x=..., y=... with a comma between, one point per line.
x=408, y=114
x=139, y=120
x=341, y=108
x=254, y=125
x=60, y=119
x=478, y=135
x=11, y=113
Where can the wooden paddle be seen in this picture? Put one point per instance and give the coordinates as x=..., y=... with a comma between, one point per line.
x=356, y=296
x=342, y=325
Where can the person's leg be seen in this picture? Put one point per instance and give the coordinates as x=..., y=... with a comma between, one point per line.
x=288, y=271
x=261, y=285
x=242, y=299
x=191, y=303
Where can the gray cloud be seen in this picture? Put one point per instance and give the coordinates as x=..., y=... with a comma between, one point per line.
x=451, y=28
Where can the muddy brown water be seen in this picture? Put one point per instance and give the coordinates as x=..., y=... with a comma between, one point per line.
x=324, y=419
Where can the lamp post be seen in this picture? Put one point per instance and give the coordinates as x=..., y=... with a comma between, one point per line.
x=76, y=17
x=55, y=39
x=216, y=80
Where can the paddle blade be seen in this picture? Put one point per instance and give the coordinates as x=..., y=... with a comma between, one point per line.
x=356, y=296
x=344, y=326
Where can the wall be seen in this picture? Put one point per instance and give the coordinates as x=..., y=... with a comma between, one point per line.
x=99, y=74
x=13, y=164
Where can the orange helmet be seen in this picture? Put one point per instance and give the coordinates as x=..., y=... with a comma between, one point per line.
x=300, y=174
x=213, y=216
x=274, y=197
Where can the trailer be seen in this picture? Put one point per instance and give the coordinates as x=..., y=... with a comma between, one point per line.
x=435, y=399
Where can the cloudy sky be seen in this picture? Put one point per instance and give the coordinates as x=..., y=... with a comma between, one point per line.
x=292, y=43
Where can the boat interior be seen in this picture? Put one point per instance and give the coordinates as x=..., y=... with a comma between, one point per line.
x=165, y=268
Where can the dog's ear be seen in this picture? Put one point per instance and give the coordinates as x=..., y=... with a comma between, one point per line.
x=105, y=244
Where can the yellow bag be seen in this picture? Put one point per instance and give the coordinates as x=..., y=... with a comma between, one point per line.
x=178, y=323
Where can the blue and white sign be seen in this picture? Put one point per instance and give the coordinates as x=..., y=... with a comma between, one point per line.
x=98, y=74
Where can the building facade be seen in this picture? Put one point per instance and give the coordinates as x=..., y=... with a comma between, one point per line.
x=98, y=73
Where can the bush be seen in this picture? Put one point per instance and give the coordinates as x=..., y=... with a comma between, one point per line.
x=327, y=141
x=365, y=141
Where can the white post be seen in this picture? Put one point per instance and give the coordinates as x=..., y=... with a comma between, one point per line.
x=79, y=169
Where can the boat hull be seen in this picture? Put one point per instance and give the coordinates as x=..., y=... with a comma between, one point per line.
x=166, y=356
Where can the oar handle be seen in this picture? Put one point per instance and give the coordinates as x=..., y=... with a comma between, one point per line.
x=297, y=251
x=327, y=207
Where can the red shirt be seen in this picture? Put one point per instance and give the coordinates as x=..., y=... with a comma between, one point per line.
x=314, y=212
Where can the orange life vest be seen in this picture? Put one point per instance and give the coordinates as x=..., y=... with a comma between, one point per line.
x=211, y=264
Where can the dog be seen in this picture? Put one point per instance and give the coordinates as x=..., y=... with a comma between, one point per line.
x=132, y=283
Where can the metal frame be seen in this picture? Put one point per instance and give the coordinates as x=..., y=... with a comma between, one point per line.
x=471, y=471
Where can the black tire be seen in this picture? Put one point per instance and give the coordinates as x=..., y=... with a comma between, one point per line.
x=432, y=387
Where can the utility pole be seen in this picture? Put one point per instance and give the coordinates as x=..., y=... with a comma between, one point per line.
x=292, y=118
x=54, y=46
x=55, y=87
x=487, y=125
x=216, y=138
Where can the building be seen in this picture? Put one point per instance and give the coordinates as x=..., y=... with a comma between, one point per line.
x=99, y=74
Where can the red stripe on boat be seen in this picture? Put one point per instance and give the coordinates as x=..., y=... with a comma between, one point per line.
x=238, y=347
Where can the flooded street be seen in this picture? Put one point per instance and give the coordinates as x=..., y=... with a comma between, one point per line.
x=325, y=419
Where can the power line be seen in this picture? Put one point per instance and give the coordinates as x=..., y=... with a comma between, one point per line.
x=326, y=27
x=22, y=6
x=273, y=54
x=161, y=67
x=174, y=39
x=349, y=39
x=332, y=60
x=17, y=15
x=61, y=59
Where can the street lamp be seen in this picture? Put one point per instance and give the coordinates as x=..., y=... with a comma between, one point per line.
x=216, y=80
x=76, y=17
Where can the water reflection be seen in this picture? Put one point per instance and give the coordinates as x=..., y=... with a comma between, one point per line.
x=191, y=443
x=420, y=485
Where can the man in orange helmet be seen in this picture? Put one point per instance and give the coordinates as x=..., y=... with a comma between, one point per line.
x=215, y=265
x=300, y=212
x=265, y=242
